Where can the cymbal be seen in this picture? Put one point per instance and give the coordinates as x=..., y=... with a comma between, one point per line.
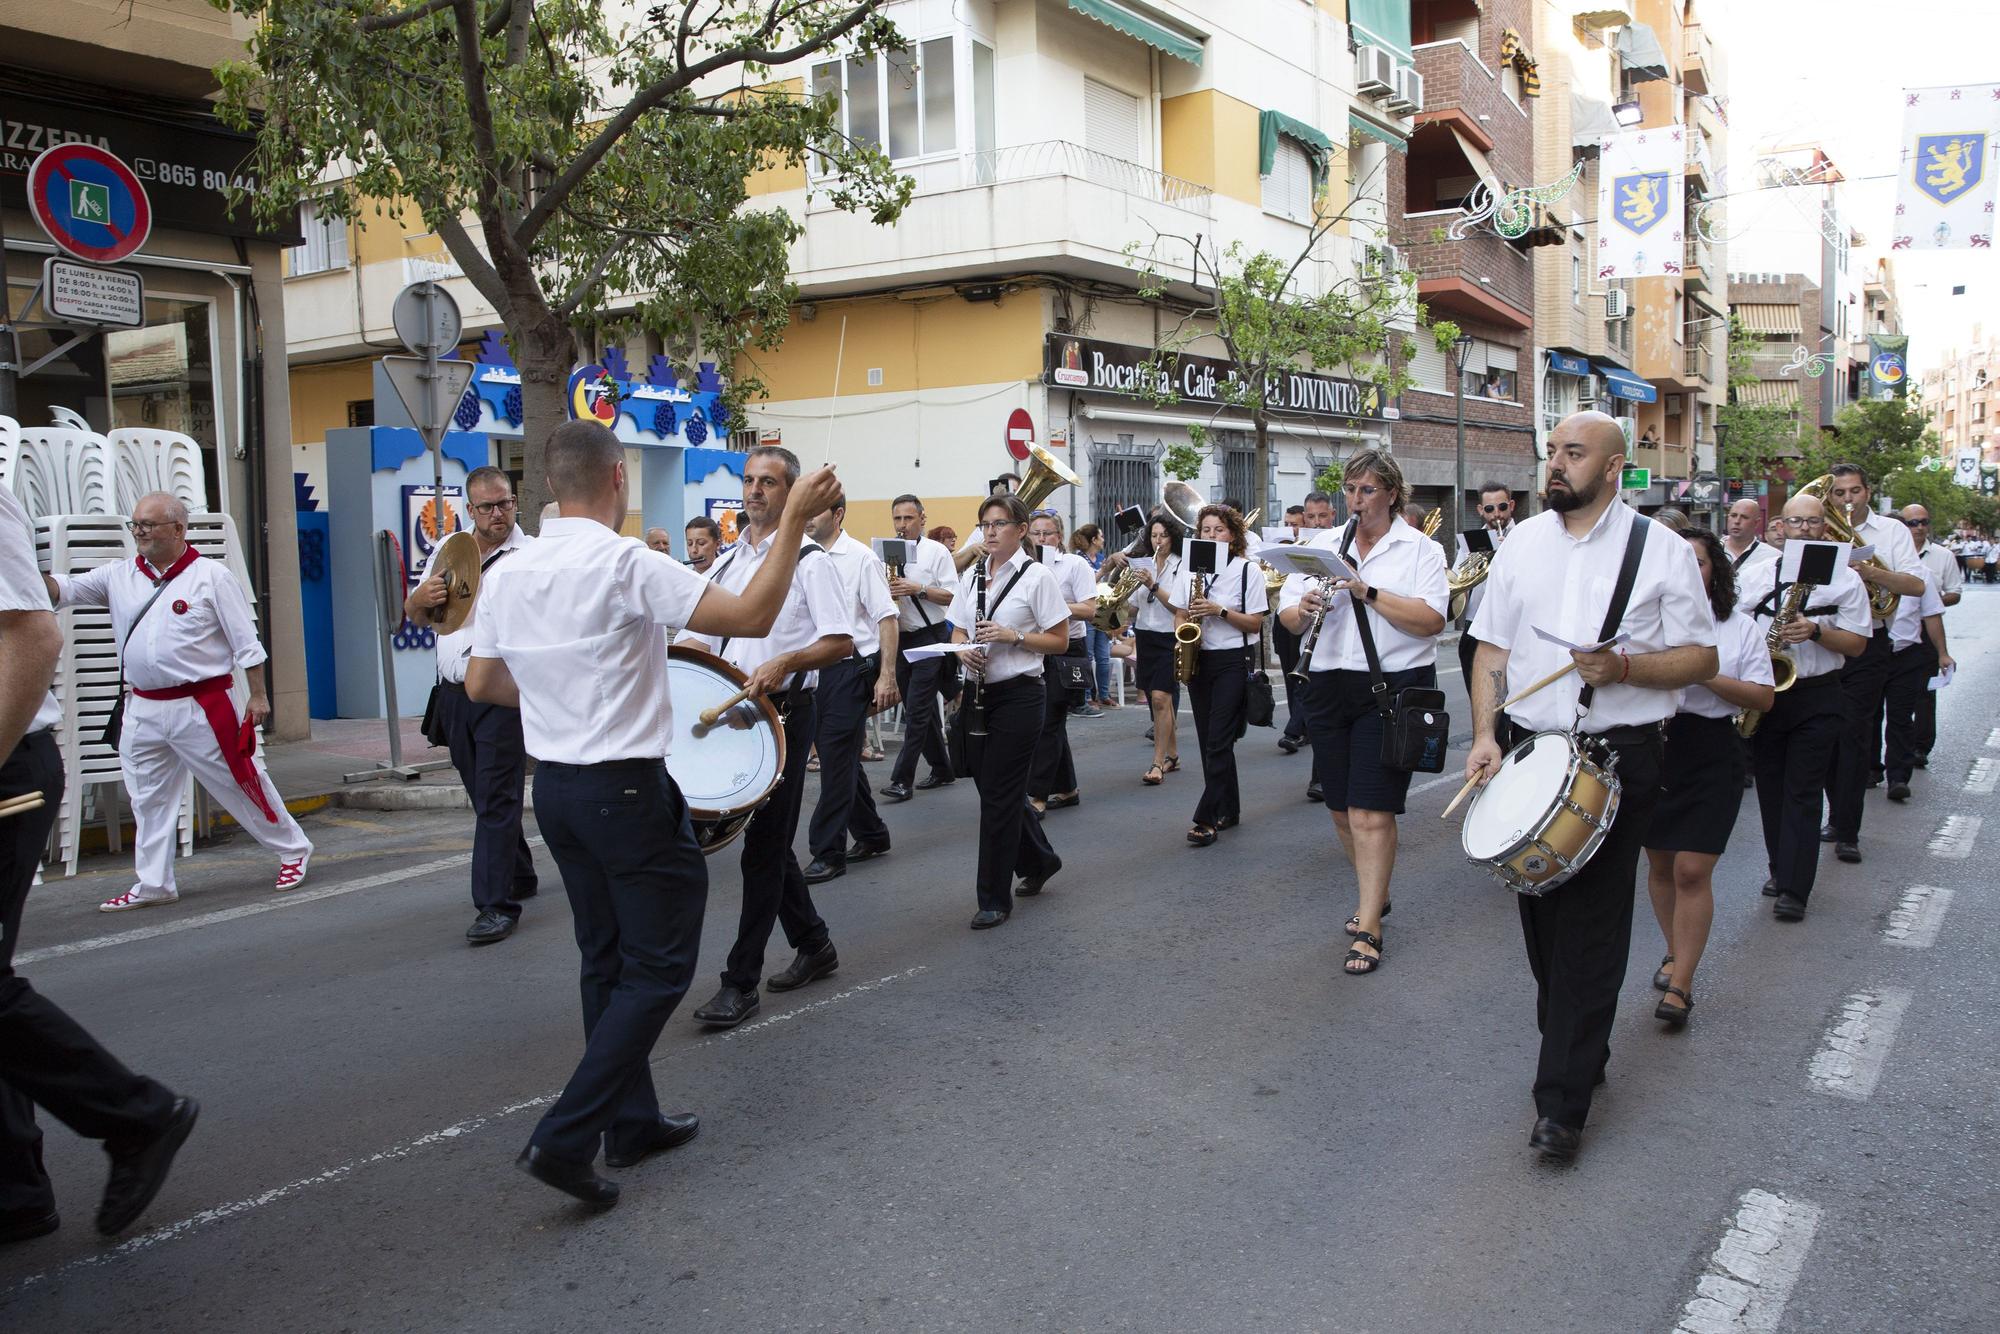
x=457, y=560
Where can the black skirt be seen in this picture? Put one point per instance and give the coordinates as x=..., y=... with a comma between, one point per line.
x=1155, y=665
x=1701, y=786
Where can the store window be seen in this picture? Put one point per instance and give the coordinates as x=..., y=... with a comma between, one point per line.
x=324, y=247
x=163, y=377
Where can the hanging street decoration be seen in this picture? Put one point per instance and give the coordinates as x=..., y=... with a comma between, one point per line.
x=1814, y=364
x=1640, y=203
x=1513, y=213
x=1946, y=177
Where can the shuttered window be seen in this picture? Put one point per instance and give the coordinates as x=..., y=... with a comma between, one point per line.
x=1430, y=367
x=1111, y=122
x=1288, y=189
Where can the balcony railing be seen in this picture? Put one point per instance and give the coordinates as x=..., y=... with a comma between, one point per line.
x=1697, y=58
x=1700, y=364
x=1058, y=157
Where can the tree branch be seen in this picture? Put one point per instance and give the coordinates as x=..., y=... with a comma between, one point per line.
x=479, y=270
x=402, y=18
x=568, y=305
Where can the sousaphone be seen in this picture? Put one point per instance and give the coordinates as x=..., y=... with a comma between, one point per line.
x=457, y=561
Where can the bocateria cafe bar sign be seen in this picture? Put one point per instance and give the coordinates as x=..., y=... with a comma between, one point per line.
x=1121, y=368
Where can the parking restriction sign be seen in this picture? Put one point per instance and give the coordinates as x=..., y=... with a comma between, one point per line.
x=89, y=202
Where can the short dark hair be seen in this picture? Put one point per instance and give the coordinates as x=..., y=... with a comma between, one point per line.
x=779, y=452
x=1488, y=488
x=706, y=525
x=1317, y=498
x=489, y=473
x=907, y=499
x=1295, y=509
x=1721, y=574
x=1849, y=470
x=579, y=459
x=1015, y=508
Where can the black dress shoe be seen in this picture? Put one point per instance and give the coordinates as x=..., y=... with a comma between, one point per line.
x=805, y=968
x=136, y=1177
x=1770, y=890
x=821, y=870
x=1847, y=852
x=1313, y=792
x=986, y=919
x=28, y=1226
x=1922, y=761
x=935, y=780
x=1228, y=822
x=1554, y=1142
x=573, y=1179
x=672, y=1130
x=1031, y=885
x=728, y=1007
x=1063, y=803
x=1789, y=908
x=1899, y=791
x=895, y=792
x=488, y=927
x=868, y=852
x=1288, y=744
x=1826, y=834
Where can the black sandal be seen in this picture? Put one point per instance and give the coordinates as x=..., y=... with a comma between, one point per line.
x=1674, y=1016
x=1153, y=777
x=1662, y=979
x=1370, y=961
x=1201, y=835
x=1173, y=764
x=1353, y=924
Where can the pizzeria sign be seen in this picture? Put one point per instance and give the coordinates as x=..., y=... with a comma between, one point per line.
x=1142, y=372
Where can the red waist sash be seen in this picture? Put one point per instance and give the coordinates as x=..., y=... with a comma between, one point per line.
x=235, y=738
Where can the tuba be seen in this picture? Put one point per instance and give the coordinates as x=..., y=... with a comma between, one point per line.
x=1881, y=602
x=1046, y=475
x=1468, y=576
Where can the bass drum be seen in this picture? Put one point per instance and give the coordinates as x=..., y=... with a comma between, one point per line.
x=726, y=771
x=1543, y=815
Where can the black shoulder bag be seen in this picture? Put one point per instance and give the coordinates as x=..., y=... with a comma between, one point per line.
x=114, y=725
x=1416, y=731
x=1260, y=709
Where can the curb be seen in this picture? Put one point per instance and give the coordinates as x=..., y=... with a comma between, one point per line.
x=403, y=797
x=91, y=837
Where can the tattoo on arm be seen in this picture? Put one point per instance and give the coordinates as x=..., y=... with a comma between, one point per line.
x=1496, y=688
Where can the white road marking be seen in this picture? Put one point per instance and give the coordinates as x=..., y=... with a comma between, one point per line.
x=1750, y=1276
x=175, y=925
x=237, y=1208
x=1985, y=774
x=1993, y=739
x=1954, y=837
x=1851, y=1056
x=1914, y=921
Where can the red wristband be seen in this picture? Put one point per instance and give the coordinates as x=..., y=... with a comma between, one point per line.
x=1623, y=675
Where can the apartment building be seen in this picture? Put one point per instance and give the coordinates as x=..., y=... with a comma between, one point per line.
x=1783, y=312
x=1961, y=398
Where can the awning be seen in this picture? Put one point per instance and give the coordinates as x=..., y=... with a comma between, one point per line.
x=1271, y=124
x=1513, y=52
x=1766, y=318
x=1133, y=24
x=1623, y=384
x=1590, y=121
x=1382, y=23
x=1363, y=125
x=1640, y=51
x=1561, y=363
x=1768, y=393
x=1481, y=167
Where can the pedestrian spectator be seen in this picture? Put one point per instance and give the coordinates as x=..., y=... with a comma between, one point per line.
x=1088, y=542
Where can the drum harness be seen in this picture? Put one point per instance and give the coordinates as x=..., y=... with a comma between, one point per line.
x=782, y=699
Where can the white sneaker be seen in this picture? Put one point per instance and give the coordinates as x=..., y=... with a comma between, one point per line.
x=292, y=874
x=133, y=898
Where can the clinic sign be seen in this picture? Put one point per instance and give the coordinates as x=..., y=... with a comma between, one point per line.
x=1142, y=372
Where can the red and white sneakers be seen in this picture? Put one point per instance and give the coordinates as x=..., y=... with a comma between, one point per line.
x=292, y=874
x=136, y=898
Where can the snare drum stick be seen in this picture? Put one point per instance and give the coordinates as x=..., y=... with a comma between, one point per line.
x=1548, y=680
x=710, y=717
x=1470, y=783
x=21, y=805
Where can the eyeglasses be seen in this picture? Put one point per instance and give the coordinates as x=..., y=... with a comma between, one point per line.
x=487, y=507
x=1502, y=507
x=1917, y=523
x=140, y=527
x=997, y=524
x=1365, y=492
x=1802, y=523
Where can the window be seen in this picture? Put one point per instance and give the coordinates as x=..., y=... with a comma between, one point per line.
x=360, y=412
x=1110, y=121
x=1288, y=189
x=325, y=246
x=1430, y=368
x=982, y=98
x=1576, y=280
x=902, y=102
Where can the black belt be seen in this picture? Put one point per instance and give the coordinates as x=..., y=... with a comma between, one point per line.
x=606, y=766
x=929, y=634
x=1829, y=678
x=1640, y=734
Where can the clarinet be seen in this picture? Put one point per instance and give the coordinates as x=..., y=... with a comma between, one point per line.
x=975, y=704
x=1310, y=640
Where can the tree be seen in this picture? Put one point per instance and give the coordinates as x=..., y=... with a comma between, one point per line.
x=562, y=153
x=1879, y=435
x=1757, y=438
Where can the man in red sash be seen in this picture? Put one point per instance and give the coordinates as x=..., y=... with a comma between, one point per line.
x=183, y=626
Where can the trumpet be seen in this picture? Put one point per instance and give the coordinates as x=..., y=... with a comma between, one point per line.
x=1187, y=634
x=1784, y=670
x=1882, y=603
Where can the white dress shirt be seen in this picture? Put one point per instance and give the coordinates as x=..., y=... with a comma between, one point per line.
x=1403, y=562
x=1846, y=595
x=1908, y=626
x=1151, y=611
x=1894, y=546
x=1544, y=577
x=868, y=585
x=576, y=615
x=817, y=604
x=1033, y=606
x=931, y=566
x=21, y=588
x=1239, y=587
x=1741, y=653
x=1075, y=580
x=201, y=628
x=1478, y=593
x=1760, y=553
x=1942, y=566
x=455, y=649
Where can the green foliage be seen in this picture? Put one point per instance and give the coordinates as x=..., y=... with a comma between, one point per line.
x=1329, y=478
x=1182, y=462
x=1880, y=435
x=1757, y=439
x=1445, y=333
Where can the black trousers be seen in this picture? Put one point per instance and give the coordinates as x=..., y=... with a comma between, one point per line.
x=1910, y=670
x=1864, y=683
x=1923, y=731
x=1287, y=645
x=846, y=806
x=1793, y=751
x=638, y=887
x=47, y=1060
x=1218, y=694
x=1579, y=937
x=774, y=888
x=1011, y=841
x=923, y=728
x=486, y=749
x=1055, y=768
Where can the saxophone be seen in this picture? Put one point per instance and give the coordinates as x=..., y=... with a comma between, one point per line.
x=1783, y=669
x=1187, y=634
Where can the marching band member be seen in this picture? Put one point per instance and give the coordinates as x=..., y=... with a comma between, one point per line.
x=851, y=692
x=1701, y=784
x=177, y=657
x=1743, y=546
x=1864, y=680
x=1053, y=784
x=1403, y=594
x=814, y=631
x=1153, y=636
x=1230, y=611
x=1496, y=514
x=1943, y=567
x=1559, y=571
x=1794, y=747
x=1009, y=605
x=704, y=542
x=922, y=593
x=569, y=631
x=1913, y=658
x=485, y=739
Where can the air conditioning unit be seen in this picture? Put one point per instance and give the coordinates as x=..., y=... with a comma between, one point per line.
x=1674, y=405
x=1407, y=98
x=1617, y=304
x=1374, y=71
x=1374, y=262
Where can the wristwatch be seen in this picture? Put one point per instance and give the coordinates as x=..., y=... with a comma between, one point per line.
x=1019, y=639
x=1372, y=591
x=1815, y=631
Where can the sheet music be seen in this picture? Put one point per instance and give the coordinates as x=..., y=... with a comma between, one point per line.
x=1560, y=642
x=922, y=651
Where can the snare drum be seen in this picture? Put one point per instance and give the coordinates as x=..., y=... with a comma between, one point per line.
x=1543, y=815
x=726, y=771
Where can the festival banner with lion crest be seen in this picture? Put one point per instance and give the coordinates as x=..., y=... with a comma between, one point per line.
x=1641, y=203
x=1947, y=170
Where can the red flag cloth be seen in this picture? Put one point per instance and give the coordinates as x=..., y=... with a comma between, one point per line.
x=237, y=740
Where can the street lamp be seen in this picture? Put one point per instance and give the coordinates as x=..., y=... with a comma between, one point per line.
x=1628, y=113
x=1461, y=351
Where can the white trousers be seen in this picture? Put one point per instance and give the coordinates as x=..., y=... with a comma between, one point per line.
x=164, y=740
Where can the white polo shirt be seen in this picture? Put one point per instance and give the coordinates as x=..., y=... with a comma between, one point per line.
x=1942, y=566
x=1846, y=595
x=1034, y=605
x=199, y=630
x=1150, y=609
x=455, y=649
x=931, y=566
x=1740, y=653
x=22, y=589
x=868, y=585
x=1240, y=587
x=1075, y=580
x=1544, y=577
x=817, y=604
x=1894, y=546
x=1404, y=562
x=576, y=616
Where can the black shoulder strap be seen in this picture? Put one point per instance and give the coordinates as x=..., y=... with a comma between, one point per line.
x=159, y=587
x=993, y=608
x=1621, y=594
x=804, y=551
x=1378, y=684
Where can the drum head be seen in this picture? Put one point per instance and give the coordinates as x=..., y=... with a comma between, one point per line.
x=1515, y=801
x=733, y=765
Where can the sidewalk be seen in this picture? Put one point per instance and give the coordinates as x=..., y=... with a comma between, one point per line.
x=340, y=746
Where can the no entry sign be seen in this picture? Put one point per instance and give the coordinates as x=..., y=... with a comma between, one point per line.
x=89, y=202
x=1020, y=433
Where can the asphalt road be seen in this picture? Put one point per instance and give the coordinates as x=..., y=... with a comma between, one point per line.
x=1150, y=1101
